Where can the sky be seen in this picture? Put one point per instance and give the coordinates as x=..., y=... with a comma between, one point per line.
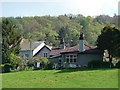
x=21, y=8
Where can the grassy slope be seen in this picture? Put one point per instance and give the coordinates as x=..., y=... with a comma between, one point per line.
x=71, y=78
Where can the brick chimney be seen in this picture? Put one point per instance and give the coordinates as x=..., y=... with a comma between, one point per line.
x=81, y=47
x=62, y=43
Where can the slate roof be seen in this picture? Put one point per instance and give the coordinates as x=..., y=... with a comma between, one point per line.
x=75, y=49
x=36, y=46
x=92, y=51
x=68, y=50
x=55, y=52
x=26, y=45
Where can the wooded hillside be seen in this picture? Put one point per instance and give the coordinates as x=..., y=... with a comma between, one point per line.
x=50, y=28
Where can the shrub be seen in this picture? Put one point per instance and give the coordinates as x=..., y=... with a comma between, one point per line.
x=36, y=59
x=100, y=64
x=106, y=65
x=30, y=63
x=118, y=64
x=14, y=60
x=43, y=59
x=6, y=68
x=49, y=66
x=95, y=64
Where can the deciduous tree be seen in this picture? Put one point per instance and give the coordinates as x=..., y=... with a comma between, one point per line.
x=11, y=39
x=110, y=40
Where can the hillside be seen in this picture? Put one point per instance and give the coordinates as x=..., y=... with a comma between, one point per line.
x=50, y=28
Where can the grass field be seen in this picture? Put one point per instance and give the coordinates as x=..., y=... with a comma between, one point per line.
x=66, y=78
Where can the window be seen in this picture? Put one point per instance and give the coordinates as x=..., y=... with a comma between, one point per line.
x=71, y=58
x=74, y=60
x=45, y=55
x=67, y=58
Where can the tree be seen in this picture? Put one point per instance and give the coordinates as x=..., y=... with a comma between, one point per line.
x=110, y=40
x=70, y=35
x=11, y=39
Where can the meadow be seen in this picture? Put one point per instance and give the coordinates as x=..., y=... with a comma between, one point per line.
x=65, y=78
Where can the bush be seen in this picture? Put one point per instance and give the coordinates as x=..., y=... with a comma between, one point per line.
x=36, y=59
x=99, y=64
x=14, y=60
x=95, y=64
x=106, y=64
x=49, y=66
x=43, y=59
x=30, y=63
x=6, y=68
x=118, y=65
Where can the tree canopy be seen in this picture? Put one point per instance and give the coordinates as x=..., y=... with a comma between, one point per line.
x=110, y=40
x=46, y=28
x=11, y=38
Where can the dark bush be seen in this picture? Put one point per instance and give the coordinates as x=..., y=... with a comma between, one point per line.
x=107, y=65
x=30, y=63
x=49, y=66
x=6, y=68
x=95, y=64
x=118, y=65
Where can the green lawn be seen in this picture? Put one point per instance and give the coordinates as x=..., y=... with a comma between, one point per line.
x=67, y=78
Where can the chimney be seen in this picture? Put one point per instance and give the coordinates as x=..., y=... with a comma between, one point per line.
x=62, y=43
x=81, y=47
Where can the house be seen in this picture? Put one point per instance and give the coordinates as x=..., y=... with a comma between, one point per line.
x=29, y=50
x=76, y=56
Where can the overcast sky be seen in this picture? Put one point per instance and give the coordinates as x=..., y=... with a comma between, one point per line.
x=58, y=7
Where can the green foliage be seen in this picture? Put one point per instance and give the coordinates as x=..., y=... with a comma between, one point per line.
x=15, y=60
x=110, y=40
x=30, y=63
x=11, y=36
x=44, y=59
x=10, y=41
x=36, y=59
x=70, y=35
x=46, y=28
x=49, y=66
